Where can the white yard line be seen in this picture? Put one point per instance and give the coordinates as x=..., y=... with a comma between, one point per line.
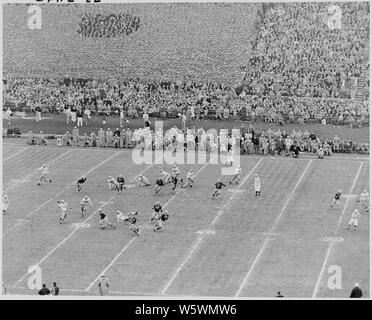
x=199, y=240
x=317, y=284
x=12, y=155
x=263, y=247
x=35, y=171
x=56, y=195
x=131, y=241
x=87, y=219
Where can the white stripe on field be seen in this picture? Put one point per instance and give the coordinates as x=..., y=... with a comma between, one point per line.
x=131, y=241
x=78, y=228
x=35, y=171
x=201, y=237
x=56, y=195
x=15, y=154
x=262, y=249
x=316, y=288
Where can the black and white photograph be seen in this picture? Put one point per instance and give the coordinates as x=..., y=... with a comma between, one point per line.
x=185, y=150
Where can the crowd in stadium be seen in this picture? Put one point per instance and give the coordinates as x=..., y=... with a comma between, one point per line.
x=168, y=99
x=109, y=26
x=298, y=53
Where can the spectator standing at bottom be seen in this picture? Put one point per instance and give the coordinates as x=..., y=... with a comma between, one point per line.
x=103, y=286
x=44, y=291
x=356, y=292
x=55, y=289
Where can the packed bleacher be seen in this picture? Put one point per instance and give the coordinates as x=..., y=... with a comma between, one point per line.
x=301, y=50
x=303, y=68
x=168, y=99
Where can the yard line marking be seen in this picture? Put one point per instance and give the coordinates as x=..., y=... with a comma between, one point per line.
x=36, y=170
x=84, y=222
x=56, y=195
x=262, y=249
x=109, y=265
x=15, y=154
x=132, y=240
x=202, y=235
x=61, y=243
x=317, y=284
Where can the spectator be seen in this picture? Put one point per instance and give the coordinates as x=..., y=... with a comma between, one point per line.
x=55, y=289
x=44, y=291
x=356, y=292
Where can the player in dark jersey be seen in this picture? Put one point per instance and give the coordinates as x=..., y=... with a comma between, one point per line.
x=133, y=227
x=218, y=190
x=103, y=220
x=174, y=181
x=336, y=199
x=157, y=209
x=80, y=182
x=159, y=184
x=120, y=180
x=161, y=220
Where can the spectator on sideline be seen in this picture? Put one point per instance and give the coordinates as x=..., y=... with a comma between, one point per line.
x=55, y=289
x=44, y=291
x=356, y=292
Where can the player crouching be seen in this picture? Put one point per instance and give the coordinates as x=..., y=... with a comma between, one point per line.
x=112, y=184
x=189, y=179
x=162, y=218
x=157, y=209
x=142, y=181
x=103, y=220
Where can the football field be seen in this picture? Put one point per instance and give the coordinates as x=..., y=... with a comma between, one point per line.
x=238, y=245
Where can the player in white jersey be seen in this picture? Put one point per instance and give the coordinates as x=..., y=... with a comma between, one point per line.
x=257, y=184
x=84, y=204
x=112, y=183
x=125, y=217
x=44, y=175
x=364, y=200
x=62, y=204
x=236, y=176
x=189, y=179
x=142, y=181
x=5, y=203
x=230, y=161
x=165, y=176
x=354, y=219
x=175, y=171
